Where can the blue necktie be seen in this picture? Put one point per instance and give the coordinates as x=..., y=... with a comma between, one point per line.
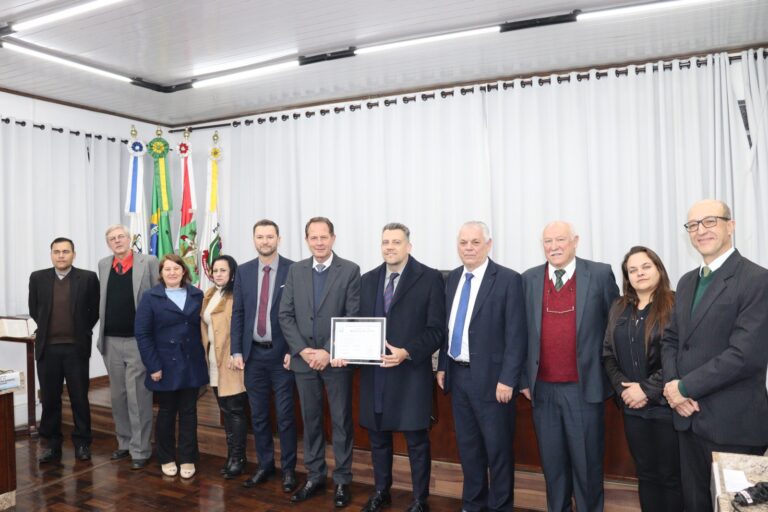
x=389, y=292
x=461, y=315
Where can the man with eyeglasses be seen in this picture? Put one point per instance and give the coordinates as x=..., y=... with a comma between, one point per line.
x=715, y=351
x=567, y=304
x=124, y=277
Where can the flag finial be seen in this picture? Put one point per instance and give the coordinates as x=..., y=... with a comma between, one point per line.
x=216, y=137
x=159, y=132
x=134, y=131
x=187, y=131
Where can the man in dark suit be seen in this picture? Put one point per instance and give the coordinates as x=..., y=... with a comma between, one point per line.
x=480, y=365
x=714, y=353
x=317, y=289
x=259, y=347
x=124, y=277
x=567, y=304
x=64, y=302
x=397, y=396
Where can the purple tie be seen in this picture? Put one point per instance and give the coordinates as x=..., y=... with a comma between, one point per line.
x=261, y=323
x=389, y=292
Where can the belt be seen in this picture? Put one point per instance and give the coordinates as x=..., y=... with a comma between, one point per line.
x=263, y=344
x=463, y=364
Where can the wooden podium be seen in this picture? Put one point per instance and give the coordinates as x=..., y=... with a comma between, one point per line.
x=7, y=451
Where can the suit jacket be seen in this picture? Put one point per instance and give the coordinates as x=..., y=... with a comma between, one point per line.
x=169, y=340
x=83, y=301
x=231, y=382
x=246, y=300
x=497, y=330
x=415, y=322
x=720, y=353
x=340, y=297
x=144, y=276
x=596, y=291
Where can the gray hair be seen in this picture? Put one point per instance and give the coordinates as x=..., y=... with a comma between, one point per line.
x=396, y=225
x=115, y=227
x=478, y=224
x=571, y=229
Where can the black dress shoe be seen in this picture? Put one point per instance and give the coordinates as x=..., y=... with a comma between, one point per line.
x=342, y=496
x=50, y=455
x=83, y=452
x=119, y=454
x=308, y=490
x=418, y=506
x=289, y=480
x=377, y=501
x=139, y=463
x=261, y=476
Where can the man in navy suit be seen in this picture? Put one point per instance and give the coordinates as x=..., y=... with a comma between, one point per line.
x=714, y=353
x=567, y=303
x=259, y=347
x=480, y=365
x=397, y=396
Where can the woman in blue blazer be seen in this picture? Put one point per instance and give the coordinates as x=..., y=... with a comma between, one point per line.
x=168, y=334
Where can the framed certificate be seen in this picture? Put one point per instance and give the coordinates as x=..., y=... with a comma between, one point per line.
x=358, y=340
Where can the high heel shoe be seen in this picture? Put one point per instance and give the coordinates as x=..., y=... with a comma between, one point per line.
x=187, y=470
x=169, y=469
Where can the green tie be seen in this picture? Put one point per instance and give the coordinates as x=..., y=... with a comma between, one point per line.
x=559, y=278
x=701, y=287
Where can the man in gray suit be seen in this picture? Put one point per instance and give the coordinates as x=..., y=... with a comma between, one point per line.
x=714, y=353
x=567, y=304
x=124, y=277
x=317, y=289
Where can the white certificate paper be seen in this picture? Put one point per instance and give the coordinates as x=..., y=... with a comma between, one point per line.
x=358, y=340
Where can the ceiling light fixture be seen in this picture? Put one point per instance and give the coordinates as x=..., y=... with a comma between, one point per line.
x=66, y=62
x=60, y=15
x=232, y=77
x=429, y=39
x=638, y=9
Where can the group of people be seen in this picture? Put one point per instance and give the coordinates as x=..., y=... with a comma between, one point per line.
x=688, y=369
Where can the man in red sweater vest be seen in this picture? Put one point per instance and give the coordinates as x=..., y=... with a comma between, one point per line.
x=567, y=304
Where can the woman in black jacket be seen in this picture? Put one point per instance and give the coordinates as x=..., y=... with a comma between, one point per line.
x=632, y=360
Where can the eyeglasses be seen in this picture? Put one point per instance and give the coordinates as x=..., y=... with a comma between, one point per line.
x=116, y=238
x=707, y=222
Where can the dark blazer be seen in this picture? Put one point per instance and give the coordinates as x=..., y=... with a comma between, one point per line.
x=497, y=330
x=246, y=300
x=415, y=322
x=169, y=340
x=721, y=351
x=143, y=277
x=596, y=291
x=341, y=297
x=84, y=301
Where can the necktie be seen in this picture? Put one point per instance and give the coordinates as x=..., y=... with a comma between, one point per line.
x=389, y=292
x=705, y=271
x=461, y=315
x=559, y=278
x=261, y=322
x=119, y=268
x=320, y=267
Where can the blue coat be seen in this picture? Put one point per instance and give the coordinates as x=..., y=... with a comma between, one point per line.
x=169, y=340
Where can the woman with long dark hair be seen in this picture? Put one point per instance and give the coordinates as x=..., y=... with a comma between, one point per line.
x=168, y=334
x=227, y=383
x=632, y=360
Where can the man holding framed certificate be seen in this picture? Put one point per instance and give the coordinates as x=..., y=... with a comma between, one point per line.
x=396, y=395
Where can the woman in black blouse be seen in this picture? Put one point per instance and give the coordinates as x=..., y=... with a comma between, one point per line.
x=632, y=360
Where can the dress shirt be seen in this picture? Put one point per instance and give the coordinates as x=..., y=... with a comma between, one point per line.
x=476, y=281
x=272, y=280
x=327, y=262
x=570, y=269
x=126, y=262
x=717, y=262
x=62, y=275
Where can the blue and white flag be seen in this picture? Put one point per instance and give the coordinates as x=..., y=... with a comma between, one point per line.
x=135, y=207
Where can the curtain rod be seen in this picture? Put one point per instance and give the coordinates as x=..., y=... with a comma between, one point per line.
x=76, y=133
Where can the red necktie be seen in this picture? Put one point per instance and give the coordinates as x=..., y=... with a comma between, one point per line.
x=261, y=322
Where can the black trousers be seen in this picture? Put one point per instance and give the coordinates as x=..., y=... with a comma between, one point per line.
x=418, y=456
x=181, y=403
x=59, y=363
x=696, y=467
x=653, y=444
x=235, y=425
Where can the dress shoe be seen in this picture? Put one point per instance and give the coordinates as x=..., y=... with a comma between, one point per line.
x=377, y=501
x=50, y=455
x=119, y=454
x=169, y=469
x=139, y=463
x=83, y=452
x=289, y=480
x=308, y=490
x=418, y=506
x=187, y=470
x=261, y=476
x=342, y=496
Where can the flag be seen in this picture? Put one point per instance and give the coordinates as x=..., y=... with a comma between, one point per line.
x=187, y=246
x=135, y=207
x=160, y=241
x=211, y=240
